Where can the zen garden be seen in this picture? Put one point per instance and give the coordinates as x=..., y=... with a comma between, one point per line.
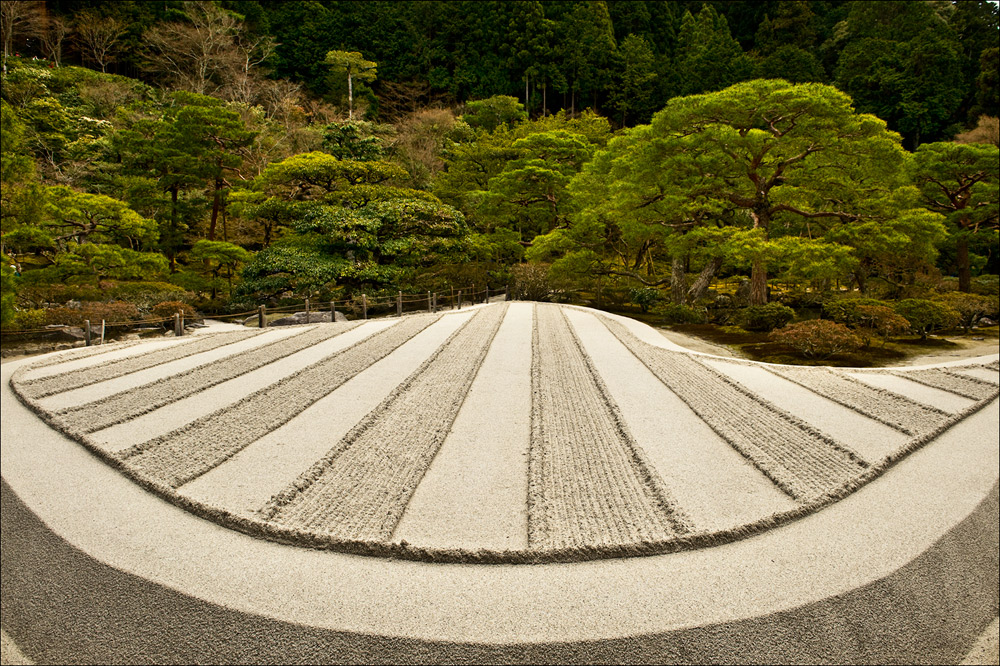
x=500, y=332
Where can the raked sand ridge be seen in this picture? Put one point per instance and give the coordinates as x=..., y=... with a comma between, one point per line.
x=512, y=434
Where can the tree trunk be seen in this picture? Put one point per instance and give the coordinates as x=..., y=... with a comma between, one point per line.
x=350, y=96
x=700, y=286
x=758, y=283
x=678, y=281
x=964, y=268
x=216, y=204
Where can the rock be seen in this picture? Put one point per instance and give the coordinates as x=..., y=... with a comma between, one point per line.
x=302, y=318
x=986, y=321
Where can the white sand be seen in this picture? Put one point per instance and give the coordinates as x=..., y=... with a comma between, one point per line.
x=104, y=389
x=113, y=353
x=684, y=450
x=928, y=395
x=985, y=374
x=245, y=482
x=867, y=437
x=473, y=494
x=177, y=414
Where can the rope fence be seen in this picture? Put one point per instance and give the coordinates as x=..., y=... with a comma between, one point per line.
x=359, y=307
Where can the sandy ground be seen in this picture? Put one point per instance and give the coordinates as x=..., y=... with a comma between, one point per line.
x=984, y=652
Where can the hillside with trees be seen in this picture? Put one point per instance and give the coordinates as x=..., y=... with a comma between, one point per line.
x=703, y=161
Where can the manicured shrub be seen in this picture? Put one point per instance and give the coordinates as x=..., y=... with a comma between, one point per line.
x=817, y=338
x=765, y=317
x=676, y=313
x=167, y=309
x=879, y=320
x=644, y=297
x=970, y=307
x=926, y=316
x=111, y=313
x=847, y=310
x=531, y=282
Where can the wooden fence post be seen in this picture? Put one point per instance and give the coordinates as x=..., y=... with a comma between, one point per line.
x=333, y=311
x=308, y=320
x=261, y=317
x=86, y=331
x=430, y=307
x=102, y=331
x=452, y=298
x=178, y=324
x=459, y=299
x=506, y=292
x=364, y=306
x=399, y=304
x=434, y=307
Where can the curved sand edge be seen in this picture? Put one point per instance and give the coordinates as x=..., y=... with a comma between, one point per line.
x=262, y=528
x=63, y=606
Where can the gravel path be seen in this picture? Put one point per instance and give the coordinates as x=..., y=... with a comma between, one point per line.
x=681, y=446
x=390, y=448
x=188, y=452
x=892, y=409
x=133, y=402
x=799, y=459
x=589, y=483
x=45, y=386
x=473, y=494
x=967, y=387
x=917, y=391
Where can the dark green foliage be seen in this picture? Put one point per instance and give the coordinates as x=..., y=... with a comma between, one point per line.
x=849, y=311
x=678, y=313
x=765, y=317
x=926, y=316
x=644, y=297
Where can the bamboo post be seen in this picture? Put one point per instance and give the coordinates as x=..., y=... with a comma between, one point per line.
x=307, y=311
x=459, y=299
x=434, y=306
x=261, y=317
x=430, y=307
x=178, y=326
x=86, y=331
x=102, y=331
x=399, y=304
x=364, y=306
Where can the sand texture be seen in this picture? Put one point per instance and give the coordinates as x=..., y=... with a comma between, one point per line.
x=501, y=433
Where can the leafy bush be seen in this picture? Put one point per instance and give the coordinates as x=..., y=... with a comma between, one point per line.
x=880, y=320
x=111, y=313
x=970, y=307
x=145, y=295
x=817, y=338
x=926, y=316
x=675, y=313
x=848, y=310
x=765, y=317
x=644, y=297
x=167, y=309
x=986, y=285
x=530, y=282
x=24, y=320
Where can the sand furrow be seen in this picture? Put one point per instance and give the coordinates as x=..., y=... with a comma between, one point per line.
x=134, y=402
x=801, y=460
x=884, y=406
x=473, y=494
x=46, y=386
x=360, y=489
x=184, y=454
x=81, y=353
x=941, y=378
x=588, y=481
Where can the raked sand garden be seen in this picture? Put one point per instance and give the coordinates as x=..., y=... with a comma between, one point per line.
x=511, y=482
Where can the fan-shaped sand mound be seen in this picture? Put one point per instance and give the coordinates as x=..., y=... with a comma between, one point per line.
x=506, y=433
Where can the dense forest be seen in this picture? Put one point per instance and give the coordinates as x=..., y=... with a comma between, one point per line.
x=226, y=154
